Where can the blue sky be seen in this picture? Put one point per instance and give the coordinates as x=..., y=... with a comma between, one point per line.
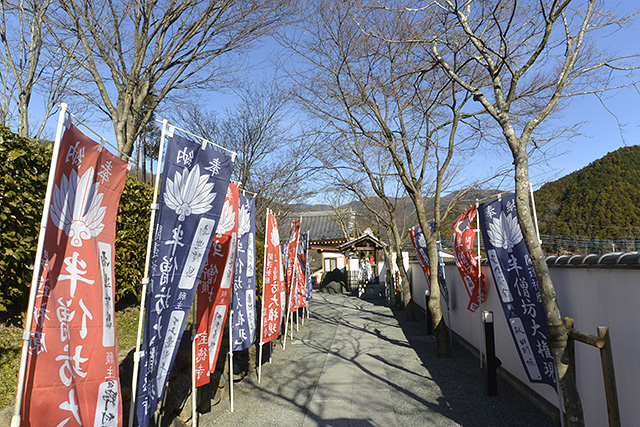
x=603, y=129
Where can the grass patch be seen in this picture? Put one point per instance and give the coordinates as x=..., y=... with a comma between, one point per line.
x=10, y=348
x=11, y=345
x=127, y=328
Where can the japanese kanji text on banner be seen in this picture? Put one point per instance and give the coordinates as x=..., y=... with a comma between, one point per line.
x=517, y=287
x=214, y=291
x=244, y=283
x=292, y=261
x=466, y=259
x=72, y=366
x=273, y=282
x=193, y=184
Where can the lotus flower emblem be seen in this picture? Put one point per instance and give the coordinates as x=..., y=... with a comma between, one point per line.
x=227, y=219
x=463, y=225
x=189, y=193
x=76, y=207
x=504, y=232
x=244, y=220
x=275, y=237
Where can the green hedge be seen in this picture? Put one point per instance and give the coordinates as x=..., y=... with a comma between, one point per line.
x=24, y=170
x=131, y=238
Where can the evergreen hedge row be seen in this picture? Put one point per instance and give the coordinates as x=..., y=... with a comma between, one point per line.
x=24, y=170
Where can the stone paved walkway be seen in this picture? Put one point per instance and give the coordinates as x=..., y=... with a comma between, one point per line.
x=356, y=362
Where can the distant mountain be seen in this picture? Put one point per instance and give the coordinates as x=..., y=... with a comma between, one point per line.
x=459, y=200
x=600, y=202
x=304, y=207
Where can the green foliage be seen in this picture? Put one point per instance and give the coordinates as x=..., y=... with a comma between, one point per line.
x=24, y=170
x=600, y=201
x=132, y=228
x=10, y=346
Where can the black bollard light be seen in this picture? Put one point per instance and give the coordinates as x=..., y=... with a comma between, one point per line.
x=427, y=313
x=490, y=350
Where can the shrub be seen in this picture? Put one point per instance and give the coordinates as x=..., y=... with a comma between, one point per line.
x=24, y=170
x=131, y=237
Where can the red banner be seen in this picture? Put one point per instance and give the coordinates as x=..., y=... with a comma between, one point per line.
x=301, y=283
x=273, y=282
x=72, y=367
x=214, y=291
x=292, y=251
x=467, y=260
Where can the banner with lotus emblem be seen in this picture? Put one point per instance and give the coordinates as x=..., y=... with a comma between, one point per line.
x=420, y=245
x=466, y=259
x=301, y=283
x=72, y=366
x=273, y=292
x=194, y=182
x=292, y=262
x=214, y=290
x=308, y=270
x=517, y=287
x=244, y=283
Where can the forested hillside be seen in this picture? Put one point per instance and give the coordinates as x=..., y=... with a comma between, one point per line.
x=595, y=209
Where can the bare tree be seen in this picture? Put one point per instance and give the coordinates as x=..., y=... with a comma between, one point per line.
x=272, y=155
x=533, y=55
x=367, y=173
x=32, y=63
x=344, y=214
x=390, y=95
x=136, y=48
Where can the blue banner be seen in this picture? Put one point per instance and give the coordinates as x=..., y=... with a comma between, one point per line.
x=244, y=282
x=303, y=245
x=194, y=184
x=421, y=248
x=308, y=270
x=517, y=287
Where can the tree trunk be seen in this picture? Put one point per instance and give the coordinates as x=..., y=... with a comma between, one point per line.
x=23, y=114
x=409, y=305
x=441, y=330
x=558, y=334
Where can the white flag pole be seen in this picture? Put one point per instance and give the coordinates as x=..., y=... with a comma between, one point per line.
x=145, y=280
x=289, y=313
x=194, y=414
x=535, y=215
x=479, y=261
x=26, y=335
x=264, y=275
x=286, y=328
x=231, y=358
x=260, y=361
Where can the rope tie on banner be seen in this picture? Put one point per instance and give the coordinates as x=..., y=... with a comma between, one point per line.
x=244, y=190
x=489, y=198
x=103, y=140
x=171, y=129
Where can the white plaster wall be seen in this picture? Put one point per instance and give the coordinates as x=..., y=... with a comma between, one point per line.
x=604, y=297
x=419, y=284
x=340, y=259
x=593, y=297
